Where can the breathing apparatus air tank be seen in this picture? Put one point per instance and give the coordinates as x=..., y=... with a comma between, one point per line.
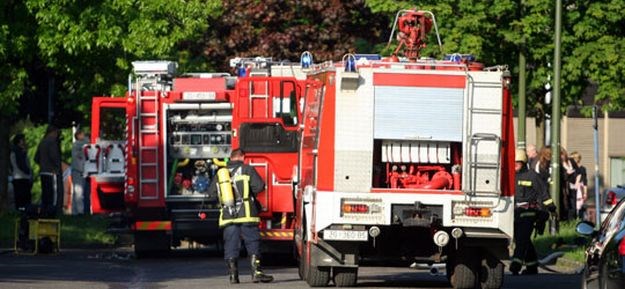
x=225, y=187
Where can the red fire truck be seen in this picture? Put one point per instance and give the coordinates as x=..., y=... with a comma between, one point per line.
x=406, y=159
x=154, y=152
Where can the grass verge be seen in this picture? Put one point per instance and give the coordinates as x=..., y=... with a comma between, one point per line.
x=567, y=241
x=76, y=231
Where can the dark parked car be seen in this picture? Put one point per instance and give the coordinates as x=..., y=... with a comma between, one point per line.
x=610, y=198
x=605, y=255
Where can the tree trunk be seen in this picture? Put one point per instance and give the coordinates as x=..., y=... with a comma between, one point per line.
x=4, y=164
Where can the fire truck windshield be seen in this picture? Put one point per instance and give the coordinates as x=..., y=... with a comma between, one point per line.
x=112, y=123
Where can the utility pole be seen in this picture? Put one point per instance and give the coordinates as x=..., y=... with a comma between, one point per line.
x=595, y=126
x=521, y=135
x=555, y=112
x=521, y=143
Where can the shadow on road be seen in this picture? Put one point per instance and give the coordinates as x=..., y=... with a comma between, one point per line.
x=404, y=280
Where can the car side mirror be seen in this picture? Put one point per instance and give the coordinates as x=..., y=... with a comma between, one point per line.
x=585, y=228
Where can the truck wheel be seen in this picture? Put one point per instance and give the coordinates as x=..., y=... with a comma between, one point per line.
x=463, y=274
x=318, y=276
x=301, y=270
x=491, y=273
x=345, y=276
x=301, y=259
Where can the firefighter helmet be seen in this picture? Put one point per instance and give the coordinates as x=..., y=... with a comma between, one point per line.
x=520, y=156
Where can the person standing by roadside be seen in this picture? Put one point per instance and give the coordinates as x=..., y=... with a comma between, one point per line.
x=581, y=185
x=79, y=181
x=48, y=157
x=543, y=165
x=568, y=195
x=22, y=173
x=532, y=155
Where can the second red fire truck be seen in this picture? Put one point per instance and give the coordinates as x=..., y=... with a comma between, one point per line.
x=154, y=152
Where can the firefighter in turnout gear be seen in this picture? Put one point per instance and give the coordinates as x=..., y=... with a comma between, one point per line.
x=531, y=200
x=236, y=186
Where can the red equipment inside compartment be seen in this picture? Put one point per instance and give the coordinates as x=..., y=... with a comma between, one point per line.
x=419, y=177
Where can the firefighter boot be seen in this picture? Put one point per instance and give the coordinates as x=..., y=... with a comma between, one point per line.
x=515, y=267
x=530, y=270
x=233, y=270
x=257, y=272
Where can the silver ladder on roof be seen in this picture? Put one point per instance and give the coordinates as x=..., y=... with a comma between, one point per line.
x=263, y=95
x=147, y=113
x=483, y=148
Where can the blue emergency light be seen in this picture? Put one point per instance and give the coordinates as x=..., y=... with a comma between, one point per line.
x=457, y=57
x=350, y=64
x=368, y=56
x=306, y=59
x=241, y=71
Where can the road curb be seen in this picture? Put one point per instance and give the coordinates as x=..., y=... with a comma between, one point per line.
x=569, y=266
x=557, y=263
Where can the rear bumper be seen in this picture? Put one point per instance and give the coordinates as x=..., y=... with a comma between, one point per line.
x=327, y=211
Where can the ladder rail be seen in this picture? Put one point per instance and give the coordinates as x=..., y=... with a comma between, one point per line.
x=475, y=165
x=474, y=138
x=253, y=96
x=145, y=131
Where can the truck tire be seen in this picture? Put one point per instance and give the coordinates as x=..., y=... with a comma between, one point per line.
x=462, y=270
x=345, y=276
x=491, y=272
x=318, y=276
x=301, y=270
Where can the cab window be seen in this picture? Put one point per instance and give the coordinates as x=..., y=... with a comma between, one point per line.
x=112, y=123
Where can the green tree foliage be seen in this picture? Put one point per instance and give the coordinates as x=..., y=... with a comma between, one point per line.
x=78, y=49
x=284, y=29
x=596, y=49
x=90, y=44
x=593, y=41
x=16, y=48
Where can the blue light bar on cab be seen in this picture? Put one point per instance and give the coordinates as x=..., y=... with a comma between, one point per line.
x=457, y=57
x=368, y=56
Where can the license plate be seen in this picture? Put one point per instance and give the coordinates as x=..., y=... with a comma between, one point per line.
x=343, y=235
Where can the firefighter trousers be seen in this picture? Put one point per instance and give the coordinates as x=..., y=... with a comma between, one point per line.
x=524, y=251
x=233, y=234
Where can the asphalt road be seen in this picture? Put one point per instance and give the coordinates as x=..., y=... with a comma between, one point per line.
x=117, y=269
